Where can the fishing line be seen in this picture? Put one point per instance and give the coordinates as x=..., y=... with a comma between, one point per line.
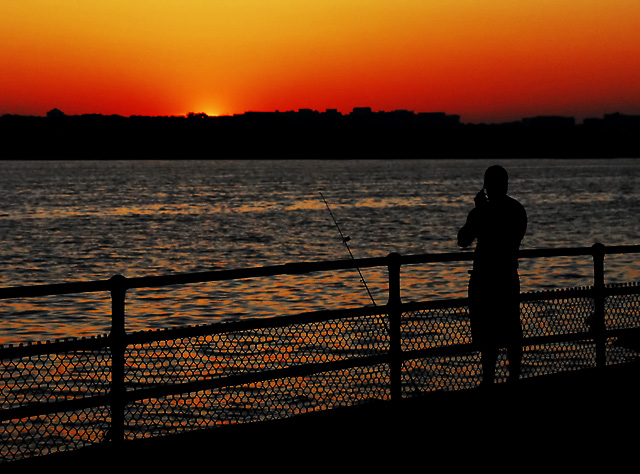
x=345, y=241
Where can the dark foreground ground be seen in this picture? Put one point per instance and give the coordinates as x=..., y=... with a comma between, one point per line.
x=564, y=422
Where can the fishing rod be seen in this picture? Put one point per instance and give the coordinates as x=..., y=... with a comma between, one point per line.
x=345, y=241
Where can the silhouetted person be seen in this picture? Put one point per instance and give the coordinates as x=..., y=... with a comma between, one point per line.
x=498, y=223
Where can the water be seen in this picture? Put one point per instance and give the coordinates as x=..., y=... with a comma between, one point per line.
x=87, y=220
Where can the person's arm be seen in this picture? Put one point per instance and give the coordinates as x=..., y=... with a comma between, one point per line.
x=467, y=234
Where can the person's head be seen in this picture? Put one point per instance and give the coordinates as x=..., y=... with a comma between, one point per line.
x=496, y=181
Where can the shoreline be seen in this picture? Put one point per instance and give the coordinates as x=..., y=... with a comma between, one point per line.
x=317, y=135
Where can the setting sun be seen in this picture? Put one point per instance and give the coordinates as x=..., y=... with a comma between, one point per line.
x=205, y=109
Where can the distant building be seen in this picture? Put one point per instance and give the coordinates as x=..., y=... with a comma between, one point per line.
x=306, y=113
x=613, y=122
x=622, y=121
x=438, y=119
x=549, y=122
x=404, y=114
x=361, y=111
x=55, y=113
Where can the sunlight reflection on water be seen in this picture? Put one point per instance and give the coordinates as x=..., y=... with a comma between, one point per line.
x=69, y=221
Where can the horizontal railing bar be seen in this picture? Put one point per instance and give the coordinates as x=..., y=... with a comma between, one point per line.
x=622, y=289
x=455, y=349
x=55, y=289
x=140, y=337
x=298, y=268
x=626, y=331
x=556, y=252
x=54, y=347
x=542, y=295
x=619, y=249
x=524, y=253
x=434, y=304
x=435, y=257
x=558, y=338
x=295, y=268
x=440, y=351
x=61, y=406
x=254, y=377
x=146, y=336
x=580, y=292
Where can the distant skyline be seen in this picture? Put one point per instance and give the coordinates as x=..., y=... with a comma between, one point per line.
x=490, y=62
x=364, y=112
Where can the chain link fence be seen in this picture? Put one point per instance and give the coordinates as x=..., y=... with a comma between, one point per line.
x=60, y=396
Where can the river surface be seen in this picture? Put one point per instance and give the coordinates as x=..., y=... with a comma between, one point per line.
x=67, y=221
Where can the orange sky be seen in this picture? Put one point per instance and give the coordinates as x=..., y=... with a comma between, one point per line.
x=491, y=60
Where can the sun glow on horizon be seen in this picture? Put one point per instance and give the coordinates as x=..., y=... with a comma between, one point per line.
x=490, y=60
x=207, y=110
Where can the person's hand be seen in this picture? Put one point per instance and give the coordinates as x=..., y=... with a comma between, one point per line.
x=480, y=199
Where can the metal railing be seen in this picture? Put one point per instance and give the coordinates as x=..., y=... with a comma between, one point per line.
x=66, y=394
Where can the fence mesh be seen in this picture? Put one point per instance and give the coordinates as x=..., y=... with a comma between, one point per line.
x=243, y=352
x=62, y=375
x=54, y=396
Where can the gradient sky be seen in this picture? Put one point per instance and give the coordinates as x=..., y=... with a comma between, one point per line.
x=486, y=60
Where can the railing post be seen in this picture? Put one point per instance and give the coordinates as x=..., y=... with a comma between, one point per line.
x=117, y=336
x=599, y=296
x=395, y=313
